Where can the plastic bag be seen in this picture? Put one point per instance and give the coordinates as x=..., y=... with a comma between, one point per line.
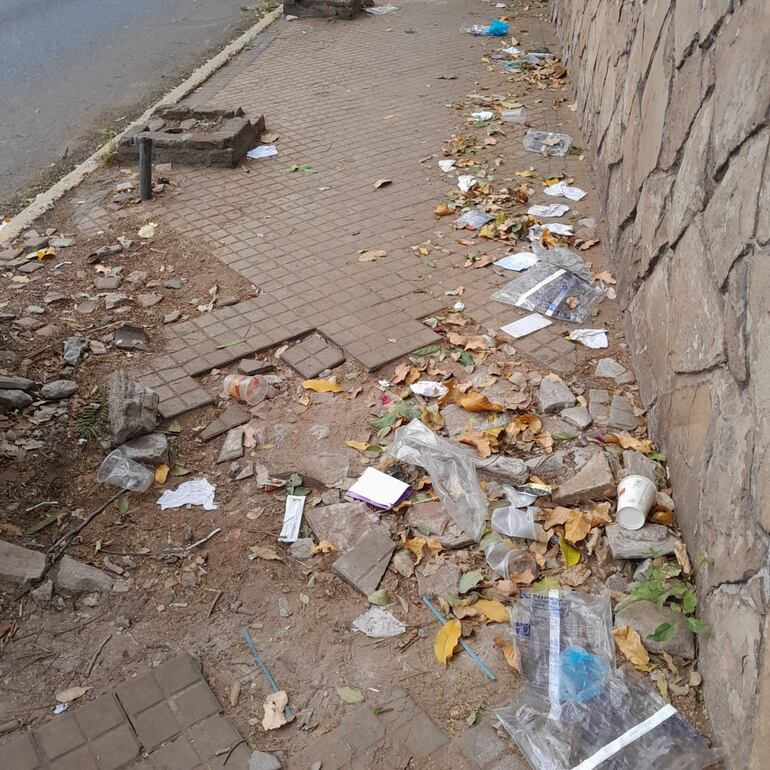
x=453, y=473
x=511, y=520
x=496, y=29
x=547, y=143
x=473, y=219
x=563, y=256
x=551, y=629
x=506, y=560
x=546, y=289
x=626, y=725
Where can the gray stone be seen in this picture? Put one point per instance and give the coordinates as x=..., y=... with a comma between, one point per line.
x=554, y=394
x=343, y=524
x=365, y=563
x=621, y=414
x=173, y=283
x=31, y=267
x=151, y=449
x=636, y=464
x=43, y=593
x=16, y=383
x=403, y=563
x=52, y=297
x=438, y=579
x=132, y=408
x=130, y=337
x=107, y=282
x=301, y=548
x=115, y=299
x=8, y=358
x=578, y=416
x=609, y=368
x=57, y=389
x=648, y=542
x=246, y=473
x=458, y=420
x=74, y=349
x=61, y=243
x=431, y=519
x=260, y=760
x=599, y=404
x=253, y=366
x=97, y=348
x=149, y=300
x=644, y=617
x=137, y=276
x=77, y=578
x=232, y=417
x=507, y=470
x=550, y=467
x=35, y=310
x=87, y=307
x=28, y=323
x=14, y=399
x=172, y=317
x=227, y=300
x=20, y=566
x=232, y=448
x=593, y=481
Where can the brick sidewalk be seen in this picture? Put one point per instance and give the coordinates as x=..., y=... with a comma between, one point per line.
x=357, y=101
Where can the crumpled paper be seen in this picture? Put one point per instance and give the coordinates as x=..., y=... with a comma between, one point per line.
x=195, y=492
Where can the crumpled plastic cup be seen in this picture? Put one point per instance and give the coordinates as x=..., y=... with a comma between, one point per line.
x=117, y=470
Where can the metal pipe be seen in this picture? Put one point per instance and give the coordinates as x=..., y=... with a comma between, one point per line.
x=145, y=169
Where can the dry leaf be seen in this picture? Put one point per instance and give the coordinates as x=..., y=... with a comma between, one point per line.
x=71, y=693
x=527, y=174
x=382, y=183
x=482, y=443
x=574, y=576
x=446, y=640
x=629, y=442
x=473, y=401
x=601, y=514
x=556, y=516
x=577, y=526
x=528, y=425
x=482, y=261
x=605, y=277
x=371, y=256
x=161, y=473
x=11, y=529
x=324, y=546
x=462, y=611
x=442, y=210
x=359, y=445
x=547, y=239
x=663, y=516
x=492, y=610
x=400, y=374
x=235, y=693
x=274, y=705
x=469, y=343
x=265, y=553
x=418, y=544
x=525, y=578
x=508, y=650
x=572, y=302
x=322, y=386
x=630, y=644
x=585, y=245
x=680, y=551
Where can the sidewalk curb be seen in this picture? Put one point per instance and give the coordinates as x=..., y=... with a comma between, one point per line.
x=45, y=200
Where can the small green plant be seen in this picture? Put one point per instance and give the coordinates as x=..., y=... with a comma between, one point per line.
x=91, y=418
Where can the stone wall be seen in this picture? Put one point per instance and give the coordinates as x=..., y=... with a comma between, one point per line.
x=674, y=98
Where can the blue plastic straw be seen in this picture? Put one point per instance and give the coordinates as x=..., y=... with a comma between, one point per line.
x=245, y=634
x=474, y=657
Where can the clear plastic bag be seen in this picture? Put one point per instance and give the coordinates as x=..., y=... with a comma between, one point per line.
x=547, y=143
x=506, y=560
x=563, y=256
x=473, y=219
x=453, y=473
x=625, y=725
x=513, y=520
x=118, y=470
x=545, y=289
x=561, y=638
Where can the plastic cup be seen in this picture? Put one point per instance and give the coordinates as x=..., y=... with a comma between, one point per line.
x=250, y=390
x=117, y=470
x=636, y=494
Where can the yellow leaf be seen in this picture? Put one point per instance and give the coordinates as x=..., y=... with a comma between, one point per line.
x=371, y=256
x=322, y=386
x=487, y=231
x=680, y=551
x=482, y=442
x=605, y=277
x=473, y=401
x=601, y=514
x=423, y=251
x=418, y=544
x=508, y=650
x=663, y=516
x=359, y=445
x=161, y=473
x=446, y=640
x=442, y=210
x=577, y=526
x=461, y=611
x=492, y=610
x=469, y=343
x=548, y=240
x=323, y=547
x=525, y=578
x=629, y=442
x=630, y=644
x=569, y=552
x=528, y=424
x=268, y=554
x=527, y=174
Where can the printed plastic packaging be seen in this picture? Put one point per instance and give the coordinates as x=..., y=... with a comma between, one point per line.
x=452, y=470
x=251, y=390
x=563, y=256
x=551, y=291
x=622, y=725
x=547, y=143
x=473, y=219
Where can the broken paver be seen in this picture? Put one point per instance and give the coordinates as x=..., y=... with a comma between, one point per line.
x=232, y=417
x=578, y=416
x=437, y=579
x=312, y=356
x=650, y=541
x=252, y=366
x=554, y=394
x=599, y=404
x=636, y=464
x=621, y=414
x=593, y=481
x=645, y=617
x=75, y=577
x=151, y=449
x=343, y=524
x=365, y=563
x=432, y=520
x=148, y=300
x=20, y=566
x=232, y=449
x=506, y=470
x=132, y=408
x=609, y=368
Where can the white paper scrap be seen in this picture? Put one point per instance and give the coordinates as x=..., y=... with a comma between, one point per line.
x=511, y=50
x=195, y=492
x=262, y=151
x=377, y=623
x=561, y=190
x=465, y=182
x=446, y=165
x=524, y=326
x=379, y=489
x=378, y=10
x=591, y=338
x=555, y=228
x=483, y=115
x=429, y=389
x=519, y=261
x=292, y=518
x=548, y=210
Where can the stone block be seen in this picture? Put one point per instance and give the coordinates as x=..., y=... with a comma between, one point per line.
x=155, y=725
x=365, y=563
x=578, y=416
x=75, y=577
x=151, y=449
x=636, y=464
x=438, y=579
x=431, y=519
x=621, y=415
x=115, y=749
x=214, y=734
x=555, y=395
x=506, y=470
x=312, y=356
x=177, y=755
x=594, y=481
x=133, y=408
x=232, y=448
x=99, y=716
x=139, y=694
x=232, y=417
x=194, y=704
x=20, y=754
x=20, y=566
x=645, y=617
x=58, y=736
x=177, y=673
x=343, y=524
x=648, y=542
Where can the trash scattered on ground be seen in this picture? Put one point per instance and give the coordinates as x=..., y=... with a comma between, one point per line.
x=562, y=190
x=549, y=210
x=117, y=470
x=483, y=116
x=473, y=219
x=465, y=182
x=378, y=489
x=522, y=260
x=547, y=143
x=194, y=492
x=378, y=623
x=516, y=115
x=496, y=29
x=636, y=496
x=429, y=389
x=130, y=337
x=379, y=10
x=446, y=165
x=292, y=518
x=274, y=706
x=591, y=338
x=524, y=326
x=536, y=232
x=249, y=389
x=262, y=151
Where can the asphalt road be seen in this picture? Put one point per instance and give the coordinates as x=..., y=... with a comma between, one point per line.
x=70, y=69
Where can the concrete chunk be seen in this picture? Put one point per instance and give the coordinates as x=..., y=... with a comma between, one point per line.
x=577, y=416
x=554, y=394
x=343, y=524
x=609, y=368
x=636, y=464
x=593, y=481
x=644, y=617
x=232, y=449
x=20, y=566
x=432, y=520
x=133, y=408
x=649, y=541
x=438, y=580
x=622, y=414
x=365, y=563
x=151, y=449
x=507, y=470
x=78, y=578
